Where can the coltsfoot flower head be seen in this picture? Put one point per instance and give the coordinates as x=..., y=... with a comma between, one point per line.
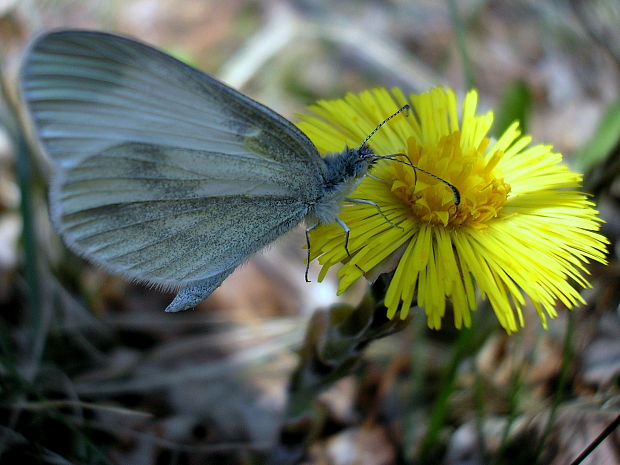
x=522, y=228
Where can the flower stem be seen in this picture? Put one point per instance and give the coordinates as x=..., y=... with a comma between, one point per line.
x=334, y=345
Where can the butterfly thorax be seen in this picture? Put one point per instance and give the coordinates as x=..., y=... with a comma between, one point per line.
x=344, y=171
x=345, y=166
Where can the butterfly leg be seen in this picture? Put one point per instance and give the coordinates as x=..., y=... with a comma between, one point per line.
x=370, y=202
x=377, y=178
x=347, y=232
x=308, y=229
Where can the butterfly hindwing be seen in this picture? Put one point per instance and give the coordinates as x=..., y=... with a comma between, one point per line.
x=156, y=223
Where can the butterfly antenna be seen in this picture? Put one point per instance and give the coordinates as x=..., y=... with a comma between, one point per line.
x=455, y=192
x=404, y=108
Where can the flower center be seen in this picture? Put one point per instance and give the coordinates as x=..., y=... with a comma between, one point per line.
x=483, y=193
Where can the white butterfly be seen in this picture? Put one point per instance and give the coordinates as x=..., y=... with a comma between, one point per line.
x=165, y=175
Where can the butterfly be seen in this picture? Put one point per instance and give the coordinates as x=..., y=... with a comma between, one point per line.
x=165, y=175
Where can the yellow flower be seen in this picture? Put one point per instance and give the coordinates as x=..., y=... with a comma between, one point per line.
x=522, y=228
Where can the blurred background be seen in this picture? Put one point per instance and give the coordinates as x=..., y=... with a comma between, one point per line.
x=92, y=371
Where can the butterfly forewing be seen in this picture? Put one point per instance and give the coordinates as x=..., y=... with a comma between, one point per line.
x=163, y=174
